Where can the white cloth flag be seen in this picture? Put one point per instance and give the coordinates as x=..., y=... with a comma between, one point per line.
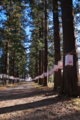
x=42, y=76
x=52, y=70
x=60, y=64
x=45, y=74
x=11, y=77
x=48, y=73
x=4, y=75
x=55, y=67
x=0, y=75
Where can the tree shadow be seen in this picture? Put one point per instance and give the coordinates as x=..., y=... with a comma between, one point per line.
x=25, y=93
x=18, y=94
x=33, y=105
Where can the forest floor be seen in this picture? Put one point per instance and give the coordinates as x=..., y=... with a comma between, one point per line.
x=29, y=101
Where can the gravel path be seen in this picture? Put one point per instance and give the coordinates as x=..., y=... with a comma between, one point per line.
x=27, y=102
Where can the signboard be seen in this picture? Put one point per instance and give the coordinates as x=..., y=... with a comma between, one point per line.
x=69, y=60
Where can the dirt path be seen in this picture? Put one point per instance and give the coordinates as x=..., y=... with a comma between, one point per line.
x=27, y=102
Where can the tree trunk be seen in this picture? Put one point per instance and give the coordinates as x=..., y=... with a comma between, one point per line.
x=57, y=74
x=42, y=55
x=40, y=67
x=13, y=60
x=46, y=50
x=69, y=83
x=6, y=62
x=36, y=70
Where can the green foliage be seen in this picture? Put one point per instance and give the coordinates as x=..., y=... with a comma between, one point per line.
x=15, y=35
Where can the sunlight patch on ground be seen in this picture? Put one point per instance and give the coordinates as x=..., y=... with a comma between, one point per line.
x=76, y=103
x=50, y=85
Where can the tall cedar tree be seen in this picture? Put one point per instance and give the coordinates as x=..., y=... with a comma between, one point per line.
x=46, y=49
x=13, y=33
x=69, y=83
x=57, y=74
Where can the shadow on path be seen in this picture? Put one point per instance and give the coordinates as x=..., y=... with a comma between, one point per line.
x=32, y=105
x=18, y=94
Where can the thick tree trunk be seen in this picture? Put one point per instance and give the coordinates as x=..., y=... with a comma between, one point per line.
x=69, y=83
x=57, y=74
x=42, y=55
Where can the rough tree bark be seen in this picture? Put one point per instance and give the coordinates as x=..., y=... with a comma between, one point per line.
x=40, y=67
x=57, y=74
x=69, y=83
x=45, y=83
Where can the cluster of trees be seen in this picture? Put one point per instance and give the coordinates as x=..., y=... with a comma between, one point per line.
x=51, y=39
x=52, y=36
x=13, y=56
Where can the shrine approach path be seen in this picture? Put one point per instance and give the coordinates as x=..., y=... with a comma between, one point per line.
x=29, y=101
